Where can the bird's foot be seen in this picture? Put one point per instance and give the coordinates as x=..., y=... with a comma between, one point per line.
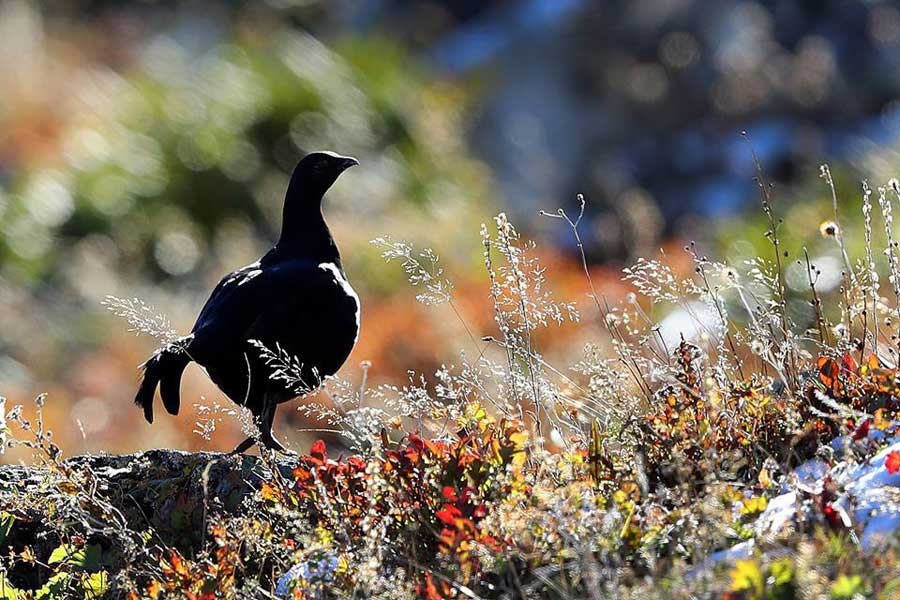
x=269, y=443
x=243, y=446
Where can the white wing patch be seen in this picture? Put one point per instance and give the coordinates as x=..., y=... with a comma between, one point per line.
x=345, y=285
x=250, y=274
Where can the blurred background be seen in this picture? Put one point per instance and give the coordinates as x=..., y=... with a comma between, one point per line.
x=145, y=148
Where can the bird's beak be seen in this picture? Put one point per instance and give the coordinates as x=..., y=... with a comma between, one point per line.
x=349, y=161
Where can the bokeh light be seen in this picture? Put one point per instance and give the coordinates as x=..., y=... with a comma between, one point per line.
x=145, y=149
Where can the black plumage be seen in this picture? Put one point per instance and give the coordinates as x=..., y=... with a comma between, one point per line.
x=295, y=301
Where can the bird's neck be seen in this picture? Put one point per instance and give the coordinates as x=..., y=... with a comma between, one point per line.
x=304, y=233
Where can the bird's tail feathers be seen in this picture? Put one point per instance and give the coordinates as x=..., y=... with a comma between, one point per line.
x=163, y=369
x=144, y=397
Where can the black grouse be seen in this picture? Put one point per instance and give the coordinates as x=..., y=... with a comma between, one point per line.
x=295, y=302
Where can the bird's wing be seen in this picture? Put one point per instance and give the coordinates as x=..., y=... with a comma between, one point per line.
x=242, y=297
x=227, y=294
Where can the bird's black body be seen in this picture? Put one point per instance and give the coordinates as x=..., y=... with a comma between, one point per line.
x=294, y=303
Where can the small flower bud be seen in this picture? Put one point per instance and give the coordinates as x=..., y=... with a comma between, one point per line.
x=829, y=229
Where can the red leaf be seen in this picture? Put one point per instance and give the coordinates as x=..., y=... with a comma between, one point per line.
x=318, y=450
x=831, y=515
x=412, y=455
x=448, y=514
x=415, y=441
x=449, y=494
x=836, y=516
x=431, y=589
x=849, y=364
x=863, y=430
x=892, y=462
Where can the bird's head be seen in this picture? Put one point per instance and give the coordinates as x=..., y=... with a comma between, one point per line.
x=317, y=171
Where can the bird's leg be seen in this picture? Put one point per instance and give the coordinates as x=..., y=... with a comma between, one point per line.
x=260, y=421
x=263, y=422
x=265, y=428
x=243, y=446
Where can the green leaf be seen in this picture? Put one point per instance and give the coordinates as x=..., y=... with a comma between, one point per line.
x=782, y=571
x=7, y=591
x=95, y=584
x=6, y=523
x=54, y=589
x=67, y=554
x=846, y=587
x=59, y=554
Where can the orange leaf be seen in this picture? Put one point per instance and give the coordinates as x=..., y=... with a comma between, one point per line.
x=270, y=492
x=435, y=448
x=828, y=372
x=881, y=423
x=178, y=564
x=892, y=462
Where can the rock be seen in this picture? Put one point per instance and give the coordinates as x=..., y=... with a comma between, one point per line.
x=174, y=493
x=865, y=498
x=311, y=576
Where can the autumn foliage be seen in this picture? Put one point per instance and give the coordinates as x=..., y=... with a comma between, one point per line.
x=719, y=464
